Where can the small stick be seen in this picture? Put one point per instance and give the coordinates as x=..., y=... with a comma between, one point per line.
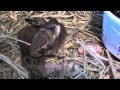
x=106, y=70
x=91, y=53
x=101, y=74
x=86, y=62
x=90, y=35
x=21, y=71
x=112, y=66
x=98, y=74
x=102, y=58
x=83, y=31
x=5, y=36
x=103, y=52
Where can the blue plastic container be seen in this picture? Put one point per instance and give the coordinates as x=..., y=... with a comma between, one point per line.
x=111, y=33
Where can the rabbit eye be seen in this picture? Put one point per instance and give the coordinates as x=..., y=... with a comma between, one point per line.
x=52, y=26
x=36, y=23
x=43, y=48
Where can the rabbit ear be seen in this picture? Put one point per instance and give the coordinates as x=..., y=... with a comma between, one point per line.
x=32, y=22
x=57, y=30
x=28, y=20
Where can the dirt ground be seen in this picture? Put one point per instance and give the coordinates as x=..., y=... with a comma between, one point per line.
x=79, y=25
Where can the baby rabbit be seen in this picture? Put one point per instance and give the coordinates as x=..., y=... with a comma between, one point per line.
x=46, y=38
x=28, y=32
x=49, y=39
x=39, y=69
x=35, y=67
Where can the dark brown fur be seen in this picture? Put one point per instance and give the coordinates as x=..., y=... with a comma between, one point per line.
x=35, y=67
x=53, y=44
x=59, y=41
x=36, y=21
x=33, y=57
x=27, y=34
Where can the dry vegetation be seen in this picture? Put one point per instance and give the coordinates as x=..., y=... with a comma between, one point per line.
x=81, y=26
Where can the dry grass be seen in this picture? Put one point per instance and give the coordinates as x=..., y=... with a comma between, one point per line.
x=80, y=26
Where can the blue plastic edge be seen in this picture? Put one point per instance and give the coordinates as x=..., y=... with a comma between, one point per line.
x=112, y=16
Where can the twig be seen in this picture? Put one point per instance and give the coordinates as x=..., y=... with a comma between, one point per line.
x=106, y=70
x=10, y=62
x=102, y=58
x=112, y=66
x=84, y=32
x=1, y=70
x=98, y=74
x=92, y=62
x=11, y=44
x=92, y=54
x=85, y=75
x=90, y=35
x=5, y=36
x=86, y=65
x=80, y=74
x=101, y=74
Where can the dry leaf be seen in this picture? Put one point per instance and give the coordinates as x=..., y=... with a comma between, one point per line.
x=14, y=15
x=107, y=76
x=92, y=74
x=66, y=52
x=68, y=45
x=11, y=30
x=17, y=59
x=31, y=12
